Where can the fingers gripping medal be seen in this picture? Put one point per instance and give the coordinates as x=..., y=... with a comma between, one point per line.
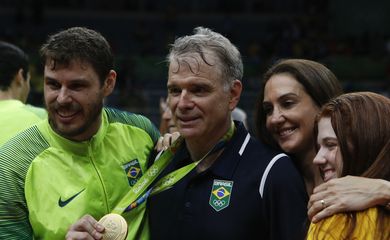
x=115, y=227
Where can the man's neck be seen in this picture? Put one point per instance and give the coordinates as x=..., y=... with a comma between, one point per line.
x=9, y=94
x=200, y=147
x=5, y=95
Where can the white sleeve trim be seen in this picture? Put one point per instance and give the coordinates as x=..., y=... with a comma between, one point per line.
x=267, y=169
x=243, y=146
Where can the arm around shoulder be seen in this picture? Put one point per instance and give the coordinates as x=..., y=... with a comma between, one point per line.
x=348, y=193
x=385, y=190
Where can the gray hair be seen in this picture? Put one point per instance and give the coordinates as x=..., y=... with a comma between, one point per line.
x=204, y=41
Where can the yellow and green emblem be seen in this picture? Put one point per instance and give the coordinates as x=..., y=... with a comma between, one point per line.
x=220, y=194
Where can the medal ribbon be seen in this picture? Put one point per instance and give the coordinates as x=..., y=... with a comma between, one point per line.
x=162, y=160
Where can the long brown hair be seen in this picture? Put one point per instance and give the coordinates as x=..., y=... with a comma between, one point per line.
x=361, y=123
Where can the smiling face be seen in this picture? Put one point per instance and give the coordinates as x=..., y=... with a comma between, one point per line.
x=74, y=99
x=290, y=114
x=328, y=158
x=200, y=102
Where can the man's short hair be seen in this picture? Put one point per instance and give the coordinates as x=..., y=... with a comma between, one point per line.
x=80, y=44
x=12, y=59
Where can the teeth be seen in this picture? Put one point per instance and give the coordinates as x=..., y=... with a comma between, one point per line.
x=329, y=174
x=286, y=132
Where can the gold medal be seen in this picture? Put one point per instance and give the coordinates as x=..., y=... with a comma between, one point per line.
x=115, y=227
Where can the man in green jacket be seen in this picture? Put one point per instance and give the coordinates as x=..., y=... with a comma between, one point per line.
x=59, y=177
x=15, y=114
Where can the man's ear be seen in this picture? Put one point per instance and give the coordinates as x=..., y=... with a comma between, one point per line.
x=235, y=94
x=109, y=83
x=20, y=86
x=19, y=78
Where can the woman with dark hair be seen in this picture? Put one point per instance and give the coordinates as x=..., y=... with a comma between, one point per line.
x=353, y=138
x=293, y=91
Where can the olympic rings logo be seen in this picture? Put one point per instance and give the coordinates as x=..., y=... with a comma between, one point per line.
x=169, y=181
x=153, y=171
x=219, y=203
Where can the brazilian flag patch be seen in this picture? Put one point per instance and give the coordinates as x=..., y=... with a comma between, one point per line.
x=220, y=194
x=133, y=171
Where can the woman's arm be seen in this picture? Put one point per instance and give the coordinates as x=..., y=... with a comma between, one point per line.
x=347, y=194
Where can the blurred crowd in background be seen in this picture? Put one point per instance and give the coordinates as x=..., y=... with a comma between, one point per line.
x=352, y=38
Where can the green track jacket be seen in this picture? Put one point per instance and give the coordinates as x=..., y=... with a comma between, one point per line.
x=48, y=182
x=16, y=116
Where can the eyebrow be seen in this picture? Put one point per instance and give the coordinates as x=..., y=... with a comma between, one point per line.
x=50, y=79
x=329, y=138
x=284, y=96
x=77, y=80
x=288, y=95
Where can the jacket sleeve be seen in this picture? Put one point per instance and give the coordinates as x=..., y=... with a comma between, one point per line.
x=15, y=159
x=14, y=222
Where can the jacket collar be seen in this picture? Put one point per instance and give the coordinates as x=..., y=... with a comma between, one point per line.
x=79, y=148
x=225, y=166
